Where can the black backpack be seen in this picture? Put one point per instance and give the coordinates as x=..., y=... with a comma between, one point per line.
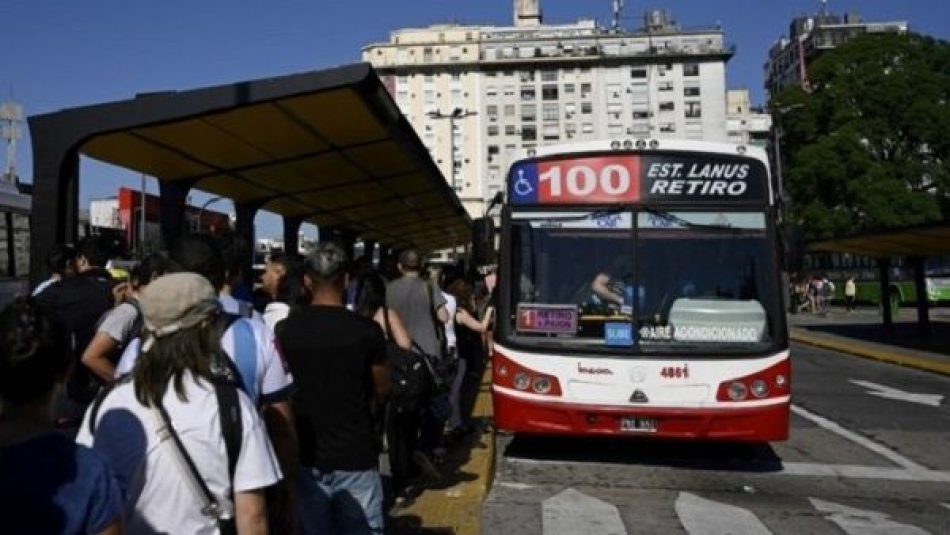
x=410, y=380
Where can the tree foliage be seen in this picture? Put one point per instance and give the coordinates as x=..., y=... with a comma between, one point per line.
x=867, y=147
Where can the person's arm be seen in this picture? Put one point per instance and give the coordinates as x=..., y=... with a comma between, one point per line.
x=400, y=333
x=250, y=512
x=380, y=364
x=466, y=319
x=96, y=356
x=279, y=420
x=599, y=286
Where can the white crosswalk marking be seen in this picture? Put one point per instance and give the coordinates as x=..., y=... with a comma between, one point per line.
x=854, y=521
x=572, y=512
x=700, y=516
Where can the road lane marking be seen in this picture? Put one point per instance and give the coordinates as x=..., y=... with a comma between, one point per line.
x=850, y=471
x=846, y=471
x=700, y=516
x=854, y=521
x=514, y=485
x=887, y=392
x=865, y=442
x=571, y=512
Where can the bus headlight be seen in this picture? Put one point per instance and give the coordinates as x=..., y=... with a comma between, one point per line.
x=541, y=385
x=522, y=381
x=759, y=388
x=738, y=391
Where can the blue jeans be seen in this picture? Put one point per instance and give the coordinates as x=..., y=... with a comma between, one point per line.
x=339, y=502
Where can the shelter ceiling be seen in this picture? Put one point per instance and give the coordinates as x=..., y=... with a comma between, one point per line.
x=336, y=154
x=925, y=240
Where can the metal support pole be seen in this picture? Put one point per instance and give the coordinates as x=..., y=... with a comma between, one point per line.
x=883, y=265
x=923, y=303
x=143, y=204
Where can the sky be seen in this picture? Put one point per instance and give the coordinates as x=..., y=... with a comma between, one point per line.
x=57, y=54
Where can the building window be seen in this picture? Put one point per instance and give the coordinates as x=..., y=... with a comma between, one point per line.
x=529, y=113
x=429, y=96
x=491, y=91
x=493, y=149
x=456, y=76
x=587, y=108
x=641, y=114
x=529, y=133
x=427, y=78
x=693, y=110
x=587, y=128
x=568, y=89
x=665, y=86
x=509, y=110
x=527, y=93
x=638, y=73
x=691, y=91
x=550, y=112
x=551, y=132
x=668, y=128
x=691, y=69
x=527, y=76
x=667, y=106
x=585, y=90
x=510, y=130
x=427, y=54
x=614, y=129
x=509, y=90
x=492, y=111
x=549, y=92
x=493, y=130
x=548, y=76
x=403, y=79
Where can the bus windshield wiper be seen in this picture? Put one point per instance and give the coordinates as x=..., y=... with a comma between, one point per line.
x=673, y=218
x=596, y=214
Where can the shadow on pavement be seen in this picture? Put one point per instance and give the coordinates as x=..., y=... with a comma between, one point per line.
x=730, y=456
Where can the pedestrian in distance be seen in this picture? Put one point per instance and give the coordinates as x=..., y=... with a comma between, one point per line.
x=283, y=281
x=468, y=331
x=850, y=294
x=48, y=483
x=338, y=359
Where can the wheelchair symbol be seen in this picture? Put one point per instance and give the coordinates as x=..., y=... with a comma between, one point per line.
x=523, y=186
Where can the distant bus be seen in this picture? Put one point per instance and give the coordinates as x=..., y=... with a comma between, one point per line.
x=15, y=209
x=641, y=294
x=839, y=266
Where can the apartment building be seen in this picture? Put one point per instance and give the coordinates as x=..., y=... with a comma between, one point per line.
x=476, y=93
x=811, y=36
x=745, y=124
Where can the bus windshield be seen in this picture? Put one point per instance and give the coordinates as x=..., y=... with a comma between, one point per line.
x=642, y=281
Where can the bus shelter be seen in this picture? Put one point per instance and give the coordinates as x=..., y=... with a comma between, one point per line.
x=327, y=147
x=915, y=243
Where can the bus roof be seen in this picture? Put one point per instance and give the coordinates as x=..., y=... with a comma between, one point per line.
x=612, y=144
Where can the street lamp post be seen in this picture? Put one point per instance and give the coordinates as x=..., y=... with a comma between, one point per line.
x=456, y=113
x=204, y=206
x=777, y=114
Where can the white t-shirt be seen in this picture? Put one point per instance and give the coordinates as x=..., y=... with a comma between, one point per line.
x=274, y=313
x=274, y=380
x=450, y=307
x=158, y=498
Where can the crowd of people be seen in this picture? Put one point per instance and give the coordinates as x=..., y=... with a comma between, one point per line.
x=165, y=403
x=814, y=294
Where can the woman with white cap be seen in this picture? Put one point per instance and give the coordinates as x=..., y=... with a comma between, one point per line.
x=165, y=432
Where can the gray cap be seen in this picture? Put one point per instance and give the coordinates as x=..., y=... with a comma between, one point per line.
x=175, y=302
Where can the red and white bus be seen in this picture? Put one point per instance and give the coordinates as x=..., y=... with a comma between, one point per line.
x=641, y=294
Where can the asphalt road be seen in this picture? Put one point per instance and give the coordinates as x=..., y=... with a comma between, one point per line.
x=869, y=452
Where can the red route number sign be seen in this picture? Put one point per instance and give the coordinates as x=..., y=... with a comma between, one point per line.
x=589, y=180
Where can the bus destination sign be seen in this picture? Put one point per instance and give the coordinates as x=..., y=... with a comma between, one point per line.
x=633, y=178
x=548, y=319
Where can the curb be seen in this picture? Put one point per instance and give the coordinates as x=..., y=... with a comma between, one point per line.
x=457, y=509
x=869, y=352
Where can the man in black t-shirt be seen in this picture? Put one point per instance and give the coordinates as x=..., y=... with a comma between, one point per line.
x=337, y=359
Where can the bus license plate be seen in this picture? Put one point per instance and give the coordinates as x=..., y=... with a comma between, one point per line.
x=638, y=425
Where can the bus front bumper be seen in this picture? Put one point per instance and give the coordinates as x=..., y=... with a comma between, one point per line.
x=532, y=417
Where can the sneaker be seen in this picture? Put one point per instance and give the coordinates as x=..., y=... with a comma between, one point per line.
x=426, y=465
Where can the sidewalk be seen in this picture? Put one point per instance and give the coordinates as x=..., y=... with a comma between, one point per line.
x=454, y=507
x=862, y=333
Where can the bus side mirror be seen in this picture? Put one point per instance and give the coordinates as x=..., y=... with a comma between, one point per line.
x=483, y=241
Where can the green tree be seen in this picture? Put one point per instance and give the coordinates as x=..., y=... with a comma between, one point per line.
x=866, y=148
